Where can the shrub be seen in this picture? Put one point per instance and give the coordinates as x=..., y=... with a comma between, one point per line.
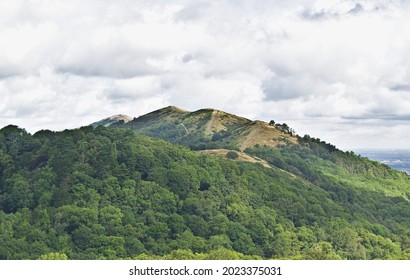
x=232, y=155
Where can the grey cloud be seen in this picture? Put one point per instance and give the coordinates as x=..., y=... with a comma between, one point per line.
x=283, y=88
x=395, y=117
x=117, y=58
x=187, y=58
x=166, y=85
x=388, y=111
x=317, y=16
x=4, y=74
x=199, y=57
x=126, y=71
x=382, y=111
x=110, y=65
x=383, y=108
x=400, y=87
x=193, y=11
x=384, y=117
x=10, y=69
x=86, y=39
x=26, y=110
x=357, y=9
x=323, y=14
x=118, y=96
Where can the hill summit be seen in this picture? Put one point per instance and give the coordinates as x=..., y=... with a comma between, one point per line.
x=113, y=119
x=206, y=128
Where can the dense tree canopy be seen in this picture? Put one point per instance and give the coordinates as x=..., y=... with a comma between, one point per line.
x=113, y=194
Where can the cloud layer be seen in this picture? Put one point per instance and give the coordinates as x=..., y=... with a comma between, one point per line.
x=334, y=69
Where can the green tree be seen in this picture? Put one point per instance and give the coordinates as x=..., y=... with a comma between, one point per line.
x=111, y=218
x=20, y=194
x=286, y=244
x=53, y=256
x=218, y=224
x=220, y=240
x=232, y=155
x=182, y=180
x=224, y=254
x=322, y=251
x=188, y=240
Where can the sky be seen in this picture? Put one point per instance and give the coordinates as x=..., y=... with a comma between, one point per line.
x=338, y=70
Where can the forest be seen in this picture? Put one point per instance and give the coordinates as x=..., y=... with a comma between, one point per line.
x=111, y=193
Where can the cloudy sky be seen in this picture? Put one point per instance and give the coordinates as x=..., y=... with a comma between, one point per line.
x=334, y=69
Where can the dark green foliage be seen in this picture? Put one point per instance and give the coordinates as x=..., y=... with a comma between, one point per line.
x=232, y=155
x=114, y=194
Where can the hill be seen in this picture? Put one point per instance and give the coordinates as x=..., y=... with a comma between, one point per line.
x=208, y=128
x=306, y=157
x=105, y=193
x=113, y=120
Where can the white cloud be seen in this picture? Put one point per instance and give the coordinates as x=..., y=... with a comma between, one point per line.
x=329, y=68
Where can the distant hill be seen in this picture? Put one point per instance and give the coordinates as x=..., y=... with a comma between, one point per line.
x=113, y=120
x=208, y=128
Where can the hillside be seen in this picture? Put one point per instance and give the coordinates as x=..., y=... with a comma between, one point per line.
x=309, y=158
x=208, y=128
x=237, y=156
x=113, y=120
x=104, y=193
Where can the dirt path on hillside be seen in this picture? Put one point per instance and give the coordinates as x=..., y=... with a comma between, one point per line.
x=241, y=156
x=211, y=123
x=249, y=139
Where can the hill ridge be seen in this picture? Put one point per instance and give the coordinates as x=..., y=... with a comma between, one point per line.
x=208, y=126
